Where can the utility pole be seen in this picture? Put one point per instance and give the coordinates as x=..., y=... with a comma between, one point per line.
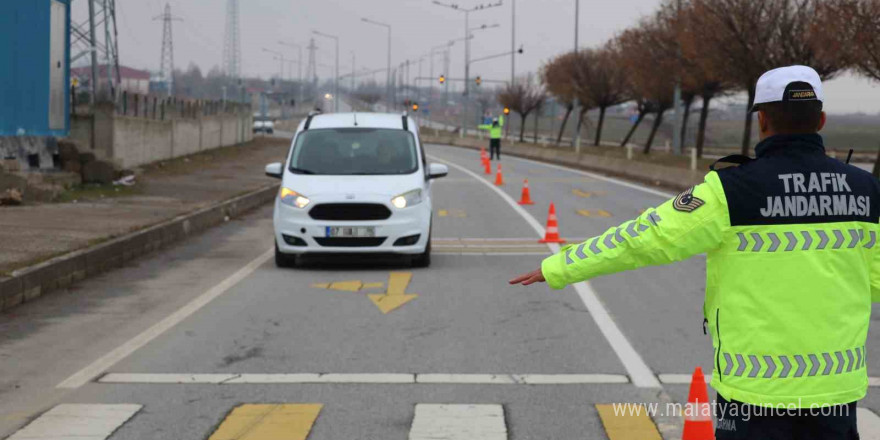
x=84, y=41
x=676, y=106
x=312, y=69
x=577, y=135
x=299, y=66
x=94, y=50
x=512, y=41
x=232, y=42
x=167, y=62
x=352, y=71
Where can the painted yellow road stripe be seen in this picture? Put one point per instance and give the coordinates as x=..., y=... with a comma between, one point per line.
x=584, y=212
x=268, y=422
x=346, y=286
x=603, y=213
x=442, y=213
x=629, y=422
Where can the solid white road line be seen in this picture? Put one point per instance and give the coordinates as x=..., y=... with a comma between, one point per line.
x=458, y=422
x=365, y=378
x=638, y=370
x=97, y=367
x=869, y=424
x=624, y=183
x=77, y=422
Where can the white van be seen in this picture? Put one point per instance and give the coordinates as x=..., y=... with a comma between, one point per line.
x=354, y=183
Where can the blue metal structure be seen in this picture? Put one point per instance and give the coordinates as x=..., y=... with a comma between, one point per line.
x=35, y=67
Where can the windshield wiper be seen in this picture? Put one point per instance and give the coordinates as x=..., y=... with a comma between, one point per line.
x=300, y=171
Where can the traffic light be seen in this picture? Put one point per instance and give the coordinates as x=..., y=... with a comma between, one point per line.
x=415, y=106
x=479, y=80
x=442, y=79
x=506, y=110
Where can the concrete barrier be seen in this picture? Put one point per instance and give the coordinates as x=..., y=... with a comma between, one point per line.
x=675, y=178
x=130, y=141
x=33, y=282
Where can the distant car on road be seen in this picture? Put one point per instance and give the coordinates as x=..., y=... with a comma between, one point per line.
x=354, y=183
x=264, y=126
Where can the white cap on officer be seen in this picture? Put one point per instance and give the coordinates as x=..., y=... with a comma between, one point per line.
x=788, y=84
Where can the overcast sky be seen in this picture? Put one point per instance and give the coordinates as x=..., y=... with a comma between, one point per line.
x=543, y=27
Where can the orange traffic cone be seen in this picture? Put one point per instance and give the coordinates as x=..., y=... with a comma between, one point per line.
x=499, y=178
x=552, y=233
x=487, y=167
x=482, y=153
x=698, y=411
x=526, y=198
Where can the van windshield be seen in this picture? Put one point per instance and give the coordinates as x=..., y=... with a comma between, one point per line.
x=354, y=151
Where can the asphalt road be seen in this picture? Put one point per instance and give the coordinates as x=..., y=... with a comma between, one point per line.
x=209, y=339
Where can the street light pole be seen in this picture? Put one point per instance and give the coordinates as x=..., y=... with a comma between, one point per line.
x=388, y=71
x=299, y=67
x=280, y=56
x=336, y=79
x=467, y=54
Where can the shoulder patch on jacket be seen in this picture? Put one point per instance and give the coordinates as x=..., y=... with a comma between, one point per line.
x=686, y=202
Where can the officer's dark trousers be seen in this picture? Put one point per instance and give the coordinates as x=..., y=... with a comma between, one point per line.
x=494, y=149
x=737, y=420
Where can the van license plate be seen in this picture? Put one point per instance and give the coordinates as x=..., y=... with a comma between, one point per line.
x=351, y=231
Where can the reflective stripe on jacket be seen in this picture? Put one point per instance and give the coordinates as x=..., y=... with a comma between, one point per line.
x=792, y=268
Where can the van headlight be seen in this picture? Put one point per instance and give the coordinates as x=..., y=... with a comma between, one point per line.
x=409, y=198
x=292, y=198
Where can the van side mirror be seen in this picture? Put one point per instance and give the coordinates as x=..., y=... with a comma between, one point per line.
x=275, y=170
x=437, y=170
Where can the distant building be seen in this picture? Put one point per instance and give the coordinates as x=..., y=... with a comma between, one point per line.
x=131, y=80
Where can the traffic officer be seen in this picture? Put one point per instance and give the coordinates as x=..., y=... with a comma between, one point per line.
x=792, y=269
x=494, y=130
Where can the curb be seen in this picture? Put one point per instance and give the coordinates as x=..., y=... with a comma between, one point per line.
x=676, y=179
x=32, y=282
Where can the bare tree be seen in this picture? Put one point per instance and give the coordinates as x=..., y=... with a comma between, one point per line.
x=557, y=77
x=746, y=38
x=522, y=97
x=601, y=79
x=651, y=72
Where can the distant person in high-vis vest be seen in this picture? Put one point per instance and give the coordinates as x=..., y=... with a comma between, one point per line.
x=494, y=130
x=793, y=267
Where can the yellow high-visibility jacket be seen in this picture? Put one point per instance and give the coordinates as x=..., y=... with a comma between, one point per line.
x=793, y=266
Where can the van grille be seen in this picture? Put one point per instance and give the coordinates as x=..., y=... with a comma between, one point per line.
x=350, y=211
x=350, y=241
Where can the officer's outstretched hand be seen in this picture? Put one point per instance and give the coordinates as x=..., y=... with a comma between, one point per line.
x=532, y=277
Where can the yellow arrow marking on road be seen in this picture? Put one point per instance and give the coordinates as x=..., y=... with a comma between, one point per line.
x=396, y=295
x=346, y=286
x=320, y=285
x=372, y=286
x=268, y=422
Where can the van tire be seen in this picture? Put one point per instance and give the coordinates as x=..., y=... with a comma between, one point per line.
x=283, y=260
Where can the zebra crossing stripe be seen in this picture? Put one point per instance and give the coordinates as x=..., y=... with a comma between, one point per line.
x=627, y=422
x=268, y=422
x=77, y=421
x=458, y=422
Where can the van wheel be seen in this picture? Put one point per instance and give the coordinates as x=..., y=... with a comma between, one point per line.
x=283, y=260
x=423, y=259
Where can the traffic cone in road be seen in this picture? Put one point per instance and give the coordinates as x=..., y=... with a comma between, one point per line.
x=482, y=153
x=526, y=198
x=499, y=178
x=487, y=167
x=552, y=233
x=698, y=411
